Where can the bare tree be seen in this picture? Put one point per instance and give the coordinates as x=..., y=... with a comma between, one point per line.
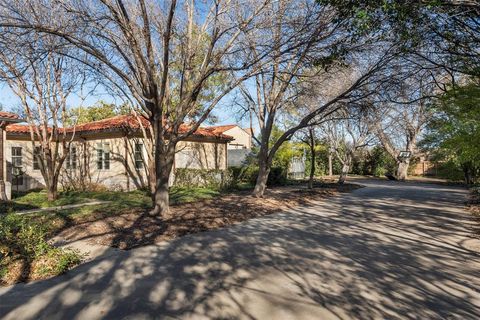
x=42, y=80
x=347, y=134
x=300, y=35
x=162, y=55
x=401, y=115
x=311, y=141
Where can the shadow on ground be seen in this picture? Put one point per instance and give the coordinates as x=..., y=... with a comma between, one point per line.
x=386, y=251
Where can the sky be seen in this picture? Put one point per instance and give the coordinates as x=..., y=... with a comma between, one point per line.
x=10, y=102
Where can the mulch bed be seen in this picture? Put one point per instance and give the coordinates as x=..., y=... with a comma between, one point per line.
x=136, y=227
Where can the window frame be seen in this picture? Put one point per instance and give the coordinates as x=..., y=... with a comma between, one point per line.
x=17, y=180
x=16, y=157
x=103, y=156
x=138, y=160
x=71, y=161
x=35, y=160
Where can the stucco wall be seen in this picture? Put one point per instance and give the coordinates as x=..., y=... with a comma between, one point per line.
x=32, y=179
x=196, y=155
x=241, y=138
x=190, y=154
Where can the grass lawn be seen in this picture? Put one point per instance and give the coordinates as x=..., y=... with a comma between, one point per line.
x=38, y=198
x=25, y=253
x=119, y=202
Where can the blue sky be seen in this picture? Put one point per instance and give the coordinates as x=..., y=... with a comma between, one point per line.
x=11, y=102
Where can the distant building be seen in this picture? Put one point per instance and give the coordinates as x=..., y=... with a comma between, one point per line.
x=241, y=145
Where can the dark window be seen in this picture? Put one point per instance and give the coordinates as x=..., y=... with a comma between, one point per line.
x=103, y=156
x=36, y=158
x=17, y=180
x=138, y=156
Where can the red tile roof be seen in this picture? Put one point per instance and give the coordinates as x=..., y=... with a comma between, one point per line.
x=18, y=128
x=22, y=128
x=121, y=122
x=9, y=115
x=117, y=122
x=222, y=129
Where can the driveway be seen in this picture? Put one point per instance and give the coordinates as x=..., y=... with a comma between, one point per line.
x=388, y=251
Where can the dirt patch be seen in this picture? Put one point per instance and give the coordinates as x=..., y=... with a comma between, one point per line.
x=135, y=227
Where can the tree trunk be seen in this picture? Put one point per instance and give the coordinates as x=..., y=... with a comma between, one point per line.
x=264, y=164
x=402, y=170
x=52, y=190
x=312, y=159
x=330, y=164
x=151, y=177
x=262, y=178
x=467, y=174
x=343, y=174
x=161, y=194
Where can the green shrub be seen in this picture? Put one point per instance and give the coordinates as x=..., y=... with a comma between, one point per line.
x=25, y=240
x=19, y=236
x=277, y=176
x=210, y=178
x=379, y=171
x=450, y=170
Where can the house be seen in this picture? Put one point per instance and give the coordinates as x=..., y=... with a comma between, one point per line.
x=6, y=118
x=241, y=145
x=111, y=152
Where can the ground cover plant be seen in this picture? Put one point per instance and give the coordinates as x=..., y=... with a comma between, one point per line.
x=25, y=253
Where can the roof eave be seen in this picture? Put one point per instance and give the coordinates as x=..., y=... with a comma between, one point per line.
x=11, y=120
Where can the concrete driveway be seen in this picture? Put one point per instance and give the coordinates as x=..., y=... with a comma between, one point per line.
x=387, y=251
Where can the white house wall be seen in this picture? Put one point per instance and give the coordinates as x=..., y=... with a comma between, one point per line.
x=242, y=140
x=190, y=154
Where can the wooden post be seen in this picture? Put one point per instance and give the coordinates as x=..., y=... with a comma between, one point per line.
x=3, y=191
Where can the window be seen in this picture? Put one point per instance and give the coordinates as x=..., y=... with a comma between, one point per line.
x=36, y=158
x=103, y=156
x=17, y=180
x=71, y=161
x=17, y=162
x=17, y=157
x=138, y=156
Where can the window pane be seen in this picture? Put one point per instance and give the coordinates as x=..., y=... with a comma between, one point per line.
x=17, y=181
x=138, y=156
x=17, y=156
x=73, y=158
x=106, y=160
x=36, y=155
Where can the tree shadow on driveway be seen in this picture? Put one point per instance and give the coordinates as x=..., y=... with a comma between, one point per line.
x=363, y=255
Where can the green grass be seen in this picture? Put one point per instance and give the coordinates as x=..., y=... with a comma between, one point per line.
x=137, y=198
x=118, y=203
x=24, y=244
x=24, y=237
x=180, y=195
x=38, y=199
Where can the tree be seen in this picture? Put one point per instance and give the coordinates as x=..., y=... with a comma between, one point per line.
x=442, y=34
x=454, y=129
x=42, y=80
x=306, y=41
x=99, y=111
x=402, y=113
x=346, y=135
x=311, y=141
x=162, y=55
